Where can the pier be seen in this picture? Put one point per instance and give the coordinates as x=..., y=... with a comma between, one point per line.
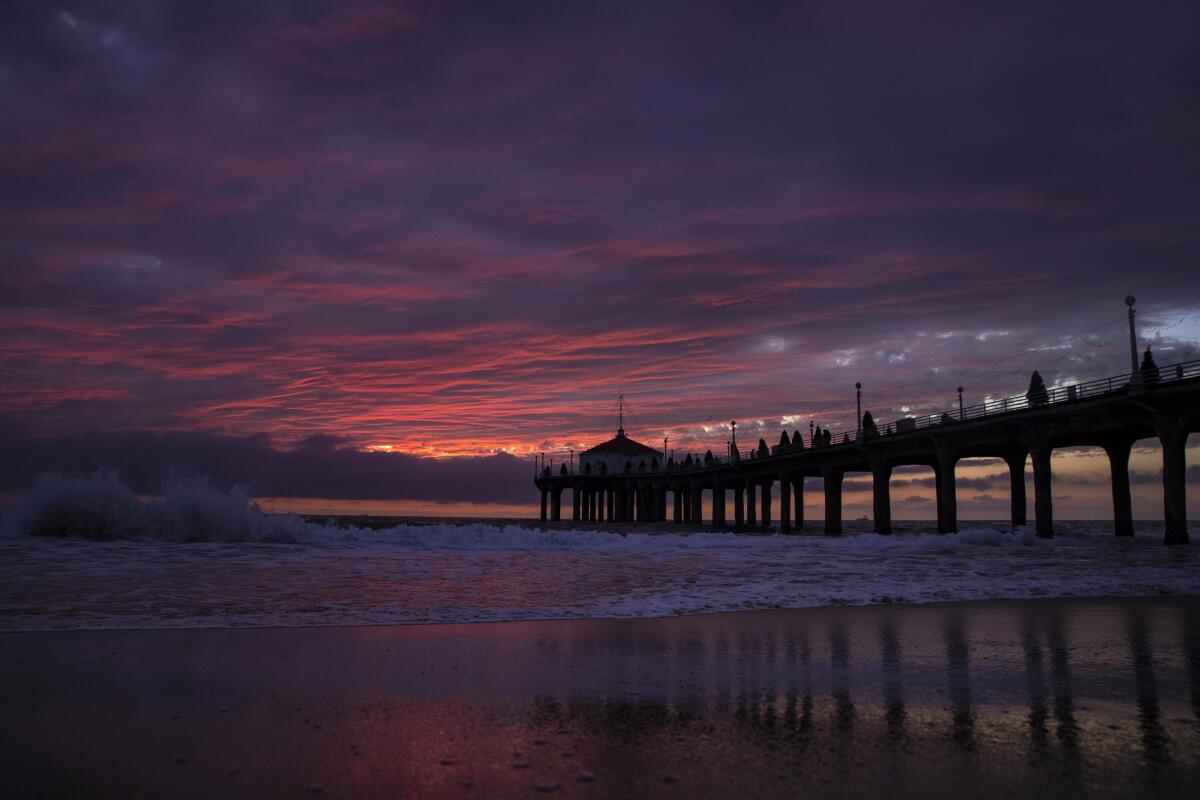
x=1112, y=413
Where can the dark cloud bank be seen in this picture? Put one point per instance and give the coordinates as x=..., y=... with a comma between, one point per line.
x=320, y=466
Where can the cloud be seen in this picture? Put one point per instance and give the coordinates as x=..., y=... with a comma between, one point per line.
x=317, y=466
x=451, y=229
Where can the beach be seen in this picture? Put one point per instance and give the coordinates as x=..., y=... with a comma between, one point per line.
x=1096, y=697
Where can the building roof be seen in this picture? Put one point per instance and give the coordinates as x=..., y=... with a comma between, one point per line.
x=621, y=445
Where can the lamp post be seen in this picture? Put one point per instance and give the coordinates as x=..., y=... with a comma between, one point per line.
x=811, y=433
x=960, y=405
x=1135, y=376
x=858, y=405
x=665, y=440
x=733, y=439
x=571, y=468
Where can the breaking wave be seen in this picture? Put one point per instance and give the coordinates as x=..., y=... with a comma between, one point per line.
x=100, y=507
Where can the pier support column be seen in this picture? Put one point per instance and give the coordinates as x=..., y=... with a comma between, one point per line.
x=556, y=505
x=1173, y=437
x=612, y=503
x=1016, y=487
x=798, y=494
x=678, y=505
x=575, y=503
x=697, y=504
x=718, y=506
x=766, y=502
x=785, y=503
x=739, y=506
x=947, y=500
x=623, y=504
x=1043, y=503
x=833, y=500
x=543, y=516
x=1118, y=467
x=751, y=512
x=881, y=497
x=661, y=493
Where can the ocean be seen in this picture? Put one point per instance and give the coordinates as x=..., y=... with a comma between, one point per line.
x=196, y=558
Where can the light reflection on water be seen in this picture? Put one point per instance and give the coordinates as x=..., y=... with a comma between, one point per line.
x=1036, y=698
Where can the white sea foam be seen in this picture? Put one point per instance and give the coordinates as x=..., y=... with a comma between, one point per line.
x=201, y=558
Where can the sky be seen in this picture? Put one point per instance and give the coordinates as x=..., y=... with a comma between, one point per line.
x=450, y=234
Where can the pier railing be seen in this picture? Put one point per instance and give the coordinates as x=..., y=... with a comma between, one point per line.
x=991, y=407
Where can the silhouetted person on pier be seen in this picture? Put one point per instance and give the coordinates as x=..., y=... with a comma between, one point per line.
x=796, y=440
x=654, y=465
x=642, y=466
x=763, y=450
x=828, y=438
x=1037, y=394
x=587, y=469
x=947, y=419
x=687, y=462
x=563, y=470
x=869, y=428
x=708, y=456
x=1149, y=369
x=818, y=437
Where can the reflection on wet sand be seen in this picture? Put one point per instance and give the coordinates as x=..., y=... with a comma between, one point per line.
x=1155, y=741
x=893, y=688
x=958, y=680
x=1031, y=698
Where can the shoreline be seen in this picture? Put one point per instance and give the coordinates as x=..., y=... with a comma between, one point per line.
x=969, y=603
x=1041, y=698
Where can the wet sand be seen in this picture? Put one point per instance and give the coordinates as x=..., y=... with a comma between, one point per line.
x=1009, y=698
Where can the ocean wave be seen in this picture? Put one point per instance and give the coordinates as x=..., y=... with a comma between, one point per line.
x=87, y=553
x=100, y=507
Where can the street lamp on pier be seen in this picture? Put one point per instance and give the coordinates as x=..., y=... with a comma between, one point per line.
x=571, y=468
x=960, y=405
x=1135, y=375
x=858, y=405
